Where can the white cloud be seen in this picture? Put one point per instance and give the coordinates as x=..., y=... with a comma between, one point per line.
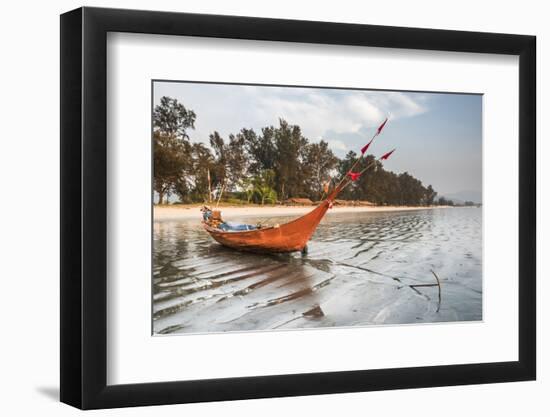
x=319, y=112
x=337, y=145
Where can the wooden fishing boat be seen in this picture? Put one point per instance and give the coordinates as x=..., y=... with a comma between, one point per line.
x=289, y=237
x=292, y=236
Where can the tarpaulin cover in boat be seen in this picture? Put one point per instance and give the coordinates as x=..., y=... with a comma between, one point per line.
x=235, y=227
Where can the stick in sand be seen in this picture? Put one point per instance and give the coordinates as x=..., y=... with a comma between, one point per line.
x=415, y=286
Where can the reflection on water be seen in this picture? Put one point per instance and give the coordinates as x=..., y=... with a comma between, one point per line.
x=358, y=271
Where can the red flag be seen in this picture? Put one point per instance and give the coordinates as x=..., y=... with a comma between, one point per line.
x=381, y=126
x=354, y=175
x=364, y=148
x=386, y=155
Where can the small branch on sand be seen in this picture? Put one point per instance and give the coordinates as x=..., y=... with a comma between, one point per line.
x=439, y=289
x=411, y=286
x=415, y=286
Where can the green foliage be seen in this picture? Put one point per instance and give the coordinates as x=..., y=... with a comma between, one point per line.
x=430, y=195
x=263, y=187
x=233, y=201
x=385, y=187
x=171, y=148
x=171, y=157
x=277, y=163
x=442, y=201
x=290, y=147
x=319, y=161
x=202, y=167
x=171, y=118
x=260, y=149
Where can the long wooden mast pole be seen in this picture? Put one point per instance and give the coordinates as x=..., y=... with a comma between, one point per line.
x=378, y=131
x=356, y=162
x=340, y=187
x=221, y=192
x=209, y=188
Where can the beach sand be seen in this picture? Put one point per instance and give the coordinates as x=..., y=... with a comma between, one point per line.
x=185, y=212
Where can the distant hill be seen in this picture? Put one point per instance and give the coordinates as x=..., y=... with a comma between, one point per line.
x=462, y=196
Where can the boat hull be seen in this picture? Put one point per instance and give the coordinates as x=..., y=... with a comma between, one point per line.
x=288, y=237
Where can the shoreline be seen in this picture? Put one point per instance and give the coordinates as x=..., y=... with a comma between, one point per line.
x=192, y=211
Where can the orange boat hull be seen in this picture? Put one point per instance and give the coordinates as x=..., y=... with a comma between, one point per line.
x=288, y=237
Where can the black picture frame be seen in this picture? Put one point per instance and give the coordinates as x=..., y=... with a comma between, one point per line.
x=84, y=207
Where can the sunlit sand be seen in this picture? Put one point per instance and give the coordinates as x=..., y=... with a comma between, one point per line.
x=193, y=211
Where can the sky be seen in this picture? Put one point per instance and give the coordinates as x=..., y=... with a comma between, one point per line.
x=437, y=136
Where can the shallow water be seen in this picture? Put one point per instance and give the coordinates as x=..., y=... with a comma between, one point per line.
x=360, y=269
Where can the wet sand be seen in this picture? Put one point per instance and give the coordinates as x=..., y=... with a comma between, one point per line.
x=362, y=268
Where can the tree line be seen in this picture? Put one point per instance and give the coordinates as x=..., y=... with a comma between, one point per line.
x=272, y=165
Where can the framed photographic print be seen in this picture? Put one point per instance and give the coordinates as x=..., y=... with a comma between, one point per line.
x=256, y=208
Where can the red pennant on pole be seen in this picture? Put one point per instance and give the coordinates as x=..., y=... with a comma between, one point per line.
x=386, y=155
x=354, y=175
x=381, y=126
x=364, y=148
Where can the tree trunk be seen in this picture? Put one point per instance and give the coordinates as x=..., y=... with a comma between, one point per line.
x=161, y=197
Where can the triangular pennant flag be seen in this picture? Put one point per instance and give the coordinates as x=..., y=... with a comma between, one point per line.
x=354, y=175
x=381, y=126
x=387, y=155
x=364, y=148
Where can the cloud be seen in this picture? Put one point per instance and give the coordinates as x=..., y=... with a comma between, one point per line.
x=337, y=145
x=321, y=113
x=318, y=112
